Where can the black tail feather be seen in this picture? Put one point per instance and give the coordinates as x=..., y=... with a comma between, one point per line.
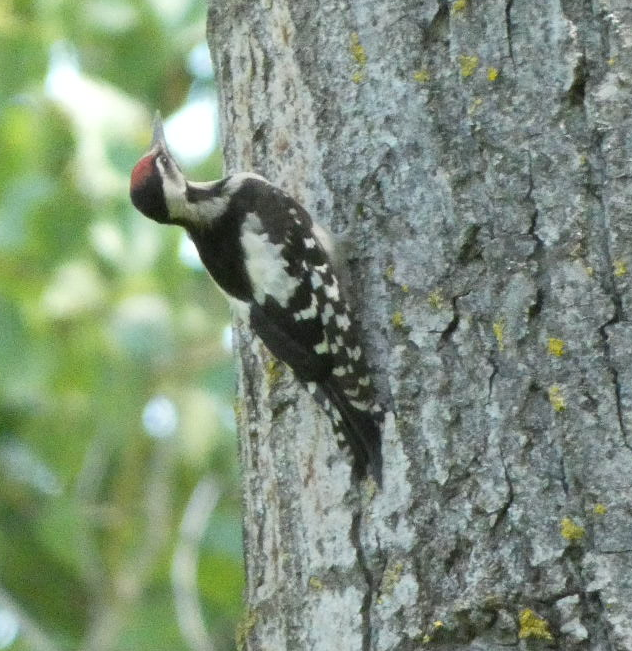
x=362, y=432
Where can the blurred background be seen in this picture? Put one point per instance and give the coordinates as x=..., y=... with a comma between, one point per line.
x=119, y=489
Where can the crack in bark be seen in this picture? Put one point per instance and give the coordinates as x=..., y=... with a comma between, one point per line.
x=538, y=250
x=563, y=479
x=492, y=377
x=356, y=524
x=576, y=94
x=501, y=513
x=451, y=327
x=603, y=331
x=449, y=330
x=470, y=249
x=614, y=373
x=508, y=8
x=610, y=289
x=536, y=307
x=602, y=608
x=529, y=197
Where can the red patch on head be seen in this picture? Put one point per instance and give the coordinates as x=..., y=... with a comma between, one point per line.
x=143, y=170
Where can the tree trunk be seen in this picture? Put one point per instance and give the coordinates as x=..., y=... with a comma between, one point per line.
x=478, y=156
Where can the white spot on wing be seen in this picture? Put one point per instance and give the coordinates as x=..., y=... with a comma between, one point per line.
x=339, y=371
x=309, y=312
x=328, y=312
x=332, y=291
x=354, y=353
x=310, y=242
x=322, y=347
x=317, y=280
x=342, y=321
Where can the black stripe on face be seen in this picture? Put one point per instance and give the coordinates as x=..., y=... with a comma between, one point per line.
x=195, y=195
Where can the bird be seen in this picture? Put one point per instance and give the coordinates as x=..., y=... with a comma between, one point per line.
x=278, y=268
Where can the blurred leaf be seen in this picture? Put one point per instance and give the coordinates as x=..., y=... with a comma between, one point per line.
x=98, y=315
x=218, y=573
x=38, y=580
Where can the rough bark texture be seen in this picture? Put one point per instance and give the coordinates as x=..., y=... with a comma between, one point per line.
x=478, y=157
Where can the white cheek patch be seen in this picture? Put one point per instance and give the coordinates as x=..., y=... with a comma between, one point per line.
x=266, y=266
x=174, y=188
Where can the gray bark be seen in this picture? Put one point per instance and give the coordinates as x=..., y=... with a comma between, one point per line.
x=478, y=156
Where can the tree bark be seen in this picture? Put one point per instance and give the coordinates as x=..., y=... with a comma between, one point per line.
x=478, y=156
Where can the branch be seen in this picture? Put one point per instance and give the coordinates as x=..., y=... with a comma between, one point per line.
x=185, y=565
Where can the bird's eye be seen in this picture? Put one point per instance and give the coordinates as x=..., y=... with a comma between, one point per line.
x=164, y=161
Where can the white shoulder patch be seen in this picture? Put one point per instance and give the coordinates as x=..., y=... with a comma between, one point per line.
x=266, y=266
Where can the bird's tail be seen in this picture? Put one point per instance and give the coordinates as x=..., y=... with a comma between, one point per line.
x=361, y=429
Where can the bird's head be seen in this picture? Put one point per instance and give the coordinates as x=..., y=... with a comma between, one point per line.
x=158, y=187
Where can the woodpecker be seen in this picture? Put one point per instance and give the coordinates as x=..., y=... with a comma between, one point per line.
x=276, y=267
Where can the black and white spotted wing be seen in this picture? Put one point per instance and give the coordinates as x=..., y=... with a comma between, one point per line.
x=300, y=313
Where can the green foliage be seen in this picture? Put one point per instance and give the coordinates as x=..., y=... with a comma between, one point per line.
x=99, y=320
